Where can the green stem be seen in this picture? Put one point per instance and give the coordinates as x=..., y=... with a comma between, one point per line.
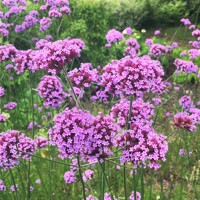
x=125, y=190
x=142, y=183
x=13, y=180
x=106, y=179
x=80, y=174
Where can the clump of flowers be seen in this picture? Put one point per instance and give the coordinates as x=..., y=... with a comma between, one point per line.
x=88, y=175
x=7, y=52
x=132, y=76
x=157, y=32
x=2, y=118
x=157, y=50
x=70, y=132
x=186, y=21
x=41, y=142
x=23, y=61
x=186, y=102
x=2, y=91
x=45, y=22
x=132, y=48
x=185, y=66
x=83, y=76
x=138, y=196
x=77, y=132
x=102, y=137
x=30, y=21
x=13, y=145
x=13, y=188
x=69, y=177
x=141, y=112
x=51, y=91
x=10, y=105
x=114, y=36
x=184, y=120
x=55, y=55
x=196, y=33
x=2, y=186
x=142, y=145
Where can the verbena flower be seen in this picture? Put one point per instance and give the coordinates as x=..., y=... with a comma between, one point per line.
x=157, y=32
x=186, y=21
x=186, y=102
x=196, y=33
x=2, y=186
x=45, y=22
x=2, y=91
x=157, y=50
x=142, y=145
x=185, y=66
x=194, y=53
x=14, y=145
x=132, y=76
x=87, y=175
x=114, y=36
x=69, y=177
x=184, y=120
x=10, y=105
x=83, y=76
x=132, y=197
x=141, y=112
x=38, y=181
x=13, y=188
x=51, y=91
x=77, y=132
x=2, y=118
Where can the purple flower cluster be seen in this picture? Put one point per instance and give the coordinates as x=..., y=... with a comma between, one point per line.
x=30, y=21
x=132, y=48
x=23, y=61
x=194, y=53
x=2, y=118
x=11, y=3
x=56, y=8
x=138, y=196
x=142, y=145
x=128, y=31
x=196, y=33
x=186, y=21
x=157, y=50
x=2, y=186
x=14, y=10
x=141, y=112
x=13, y=145
x=101, y=139
x=87, y=175
x=55, y=55
x=50, y=89
x=186, y=102
x=157, y=32
x=83, y=77
x=185, y=66
x=184, y=120
x=10, y=105
x=149, y=42
x=114, y=36
x=69, y=177
x=77, y=132
x=7, y=52
x=2, y=91
x=132, y=76
x=45, y=22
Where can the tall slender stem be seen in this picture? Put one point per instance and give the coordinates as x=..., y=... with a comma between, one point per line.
x=80, y=174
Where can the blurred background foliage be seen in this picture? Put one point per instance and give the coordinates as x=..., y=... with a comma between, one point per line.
x=90, y=20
